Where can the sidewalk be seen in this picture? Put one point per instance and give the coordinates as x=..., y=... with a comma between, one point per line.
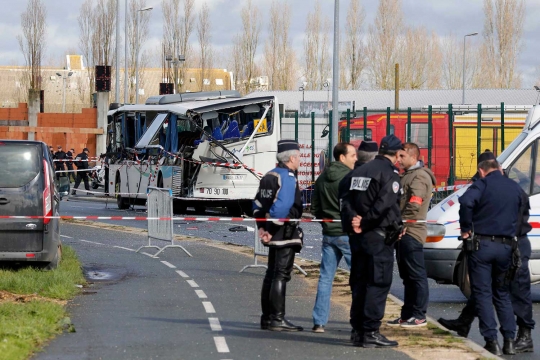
x=203, y=308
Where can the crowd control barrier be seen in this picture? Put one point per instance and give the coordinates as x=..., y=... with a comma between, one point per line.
x=160, y=207
x=261, y=250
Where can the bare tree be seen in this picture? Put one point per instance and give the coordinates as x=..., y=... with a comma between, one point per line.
x=97, y=22
x=452, y=63
x=137, y=35
x=205, y=44
x=278, y=53
x=383, y=44
x=503, y=29
x=316, y=49
x=236, y=62
x=353, y=50
x=249, y=40
x=177, y=30
x=32, y=40
x=420, y=60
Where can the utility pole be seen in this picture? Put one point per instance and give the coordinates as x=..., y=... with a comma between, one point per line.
x=335, y=81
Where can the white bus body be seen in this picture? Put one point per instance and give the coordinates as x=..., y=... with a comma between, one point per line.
x=200, y=169
x=521, y=162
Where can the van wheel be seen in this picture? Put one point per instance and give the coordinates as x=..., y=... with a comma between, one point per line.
x=56, y=261
x=120, y=202
x=462, y=277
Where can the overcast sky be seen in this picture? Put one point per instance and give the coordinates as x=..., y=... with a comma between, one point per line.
x=442, y=16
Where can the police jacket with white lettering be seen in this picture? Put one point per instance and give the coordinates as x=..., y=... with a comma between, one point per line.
x=492, y=204
x=374, y=193
x=279, y=197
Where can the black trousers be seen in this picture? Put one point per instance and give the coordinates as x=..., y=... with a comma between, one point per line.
x=372, y=263
x=71, y=175
x=520, y=291
x=280, y=265
x=410, y=260
x=82, y=175
x=59, y=166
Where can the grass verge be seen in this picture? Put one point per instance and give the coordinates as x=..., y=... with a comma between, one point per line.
x=32, y=305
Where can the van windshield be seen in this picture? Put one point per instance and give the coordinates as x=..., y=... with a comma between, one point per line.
x=20, y=164
x=510, y=149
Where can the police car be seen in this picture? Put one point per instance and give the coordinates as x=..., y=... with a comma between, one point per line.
x=521, y=163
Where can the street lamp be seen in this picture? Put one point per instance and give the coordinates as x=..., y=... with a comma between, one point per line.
x=175, y=61
x=302, y=89
x=137, y=52
x=464, y=43
x=64, y=88
x=326, y=85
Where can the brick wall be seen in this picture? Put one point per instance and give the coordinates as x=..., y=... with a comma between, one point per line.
x=86, y=119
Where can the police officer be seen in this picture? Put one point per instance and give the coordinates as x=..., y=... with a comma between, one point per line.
x=520, y=288
x=491, y=206
x=69, y=164
x=373, y=223
x=60, y=157
x=279, y=197
x=81, y=161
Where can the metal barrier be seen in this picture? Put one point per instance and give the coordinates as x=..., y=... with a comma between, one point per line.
x=160, y=206
x=261, y=250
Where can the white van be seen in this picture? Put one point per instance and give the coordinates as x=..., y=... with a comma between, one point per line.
x=521, y=162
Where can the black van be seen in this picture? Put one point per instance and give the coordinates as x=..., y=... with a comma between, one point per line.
x=28, y=188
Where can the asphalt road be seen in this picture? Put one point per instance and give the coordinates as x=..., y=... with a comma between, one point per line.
x=445, y=300
x=180, y=307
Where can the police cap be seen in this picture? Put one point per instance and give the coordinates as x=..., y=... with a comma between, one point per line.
x=368, y=146
x=486, y=155
x=391, y=143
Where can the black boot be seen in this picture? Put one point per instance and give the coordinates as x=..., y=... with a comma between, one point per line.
x=357, y=338
x=461, y=325
x=524, y=342
x=265, y=304
x=375, y=339
x=277, y=306
x=508, y=347
x=493, y=347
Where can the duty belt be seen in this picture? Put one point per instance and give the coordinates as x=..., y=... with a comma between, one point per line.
x=498, y=239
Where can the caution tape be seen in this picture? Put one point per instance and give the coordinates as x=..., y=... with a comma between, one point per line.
x=190, y=218
x=449, y=188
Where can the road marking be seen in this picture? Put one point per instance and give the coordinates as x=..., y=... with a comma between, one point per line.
x=125, y=248
x=214, y=324
x=67, y=237
x=221, y=344
x=147, y=254
x=208, y=307
x=168, y=264
x=192, y=283
x=92, y=242
x=249, y=228
x=201, y=294
x=182, y=274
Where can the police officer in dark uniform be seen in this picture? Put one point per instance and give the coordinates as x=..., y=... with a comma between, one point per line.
x=59, y=164
x=69, y=164
x=81, y=161
x=491, y=208
x=374, y=224
x=520, y=288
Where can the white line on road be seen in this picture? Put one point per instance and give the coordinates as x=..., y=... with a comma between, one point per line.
x=201, y=294
x=92, y=242
x=147, y=254
x=67, y=237
x=214, y=324
x=125, y=248
x=208, y=307
x=192, y=283
x=221, y=344
x=182, y=274
x=168, y=264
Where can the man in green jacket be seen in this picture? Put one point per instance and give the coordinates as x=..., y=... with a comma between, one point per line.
x=325, y=205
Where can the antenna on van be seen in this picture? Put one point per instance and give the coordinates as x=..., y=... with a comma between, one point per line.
x=537, y=89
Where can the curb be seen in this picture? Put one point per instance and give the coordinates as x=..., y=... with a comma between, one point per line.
x=474, y=346
x=112, y=200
